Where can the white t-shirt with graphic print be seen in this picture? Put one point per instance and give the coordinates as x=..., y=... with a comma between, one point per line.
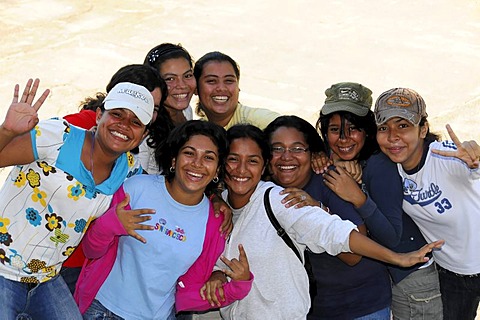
x=443, y=198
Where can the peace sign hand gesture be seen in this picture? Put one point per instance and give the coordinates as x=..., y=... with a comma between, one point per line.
x=468, y=151
x=22, y=115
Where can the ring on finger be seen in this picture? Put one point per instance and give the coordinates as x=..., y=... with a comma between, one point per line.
x=303, y=197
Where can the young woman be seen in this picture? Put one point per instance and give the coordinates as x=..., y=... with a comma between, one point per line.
x=136, y=255
x=135, y=73
x=280, y=289
x=348, y=126
x=218, y=78
x=175, y=66
x=348, y=286
x=63, y=177
x=441, y=192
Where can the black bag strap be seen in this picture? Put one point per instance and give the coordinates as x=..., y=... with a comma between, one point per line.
x=280, y=231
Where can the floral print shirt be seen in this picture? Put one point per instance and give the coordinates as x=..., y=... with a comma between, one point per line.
x=46, y=206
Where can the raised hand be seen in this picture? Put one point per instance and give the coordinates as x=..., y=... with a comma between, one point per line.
x=213, y=291
x=468, y=151
x=132, y=219
x=22, y=114
x=239, y=268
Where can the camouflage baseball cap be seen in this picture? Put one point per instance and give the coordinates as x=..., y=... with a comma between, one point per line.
x=347, y=96
x=400, y=102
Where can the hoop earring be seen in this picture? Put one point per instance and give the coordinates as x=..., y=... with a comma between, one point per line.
x=172, y=169
x=215, y=180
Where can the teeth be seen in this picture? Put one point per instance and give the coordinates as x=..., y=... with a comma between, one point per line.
x=345, y=149
x=198, y=175
x=239, y=179
x=220, y=98
x=287, y=167
x=119, y=135
x=180, y=96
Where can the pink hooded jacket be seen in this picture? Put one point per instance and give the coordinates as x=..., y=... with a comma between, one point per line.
x=100, y=246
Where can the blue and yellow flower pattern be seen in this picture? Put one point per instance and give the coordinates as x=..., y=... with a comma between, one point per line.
x=75, y=191
x=49, y=209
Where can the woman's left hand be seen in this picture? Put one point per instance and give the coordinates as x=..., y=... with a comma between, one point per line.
x=298, y=198
x=412, y=258
x=468, y=151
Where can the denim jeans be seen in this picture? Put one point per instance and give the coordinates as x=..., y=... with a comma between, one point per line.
x=418, y=296
x=460, y=295
x=48, y=300
x=97, y=311
x=383, y=314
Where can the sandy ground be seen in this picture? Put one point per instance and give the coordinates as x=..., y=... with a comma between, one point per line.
x=289, y=51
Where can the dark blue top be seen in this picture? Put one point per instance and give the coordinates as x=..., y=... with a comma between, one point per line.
x=384, y=217
x=345, y=292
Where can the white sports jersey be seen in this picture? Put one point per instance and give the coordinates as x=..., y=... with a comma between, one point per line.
x=443, y=198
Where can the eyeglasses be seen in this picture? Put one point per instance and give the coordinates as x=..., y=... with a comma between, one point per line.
x=295, y=150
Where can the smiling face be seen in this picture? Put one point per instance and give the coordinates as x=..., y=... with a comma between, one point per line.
x=195, y=167
x=178, y=75
x=244, y=169
x=348, y=145
x=118, y=131
x=287, y=168
x=402, y=141
x=218, y=91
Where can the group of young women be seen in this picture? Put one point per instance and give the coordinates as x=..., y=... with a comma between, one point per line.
x=154, y=244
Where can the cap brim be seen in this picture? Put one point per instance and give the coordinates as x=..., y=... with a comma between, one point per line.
x=383, y=116
x=141, y=114
x=333, y=107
